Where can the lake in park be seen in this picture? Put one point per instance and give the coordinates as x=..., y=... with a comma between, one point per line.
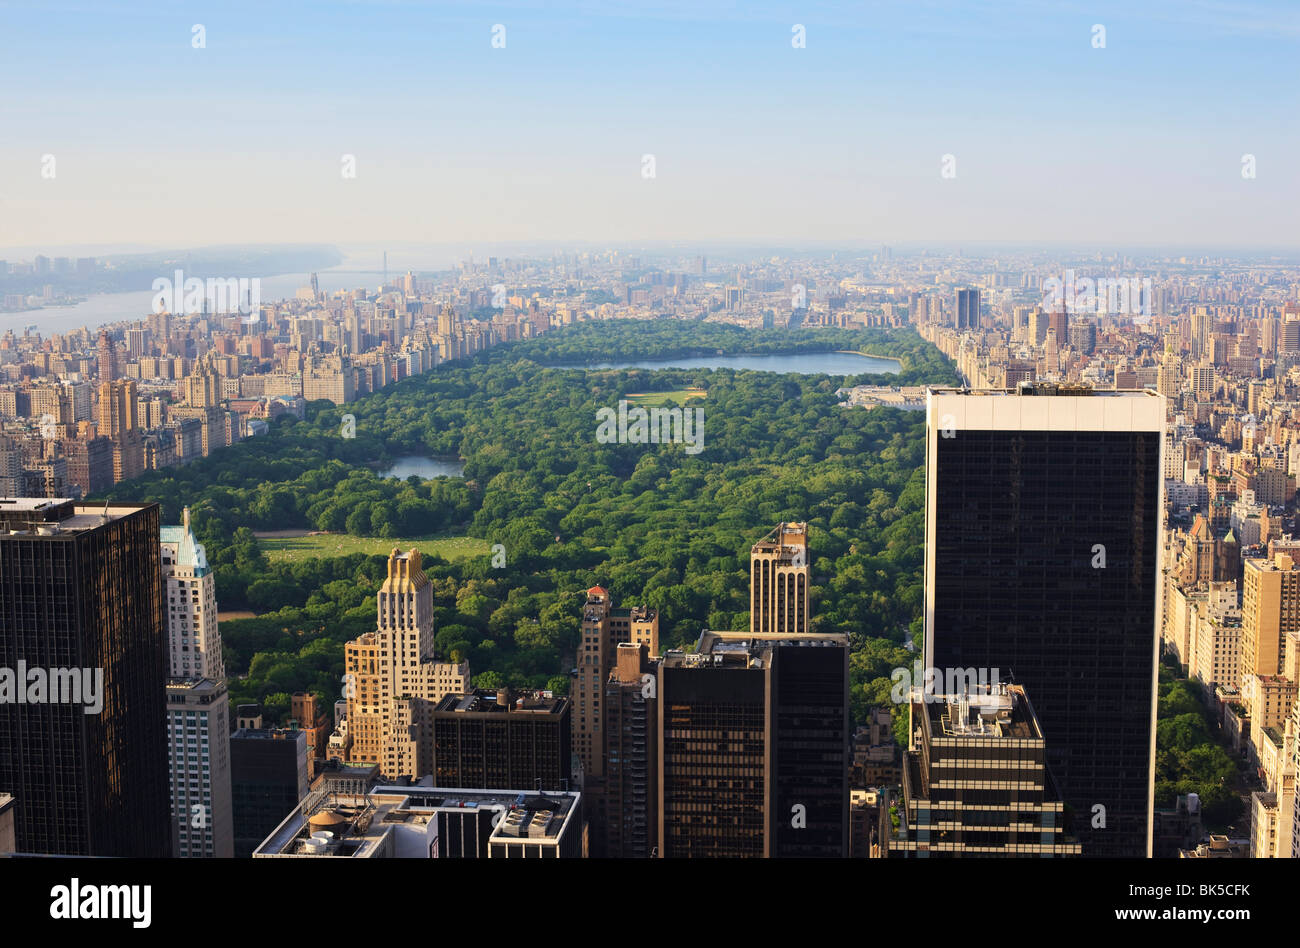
x=803, y=363
x=404, y=467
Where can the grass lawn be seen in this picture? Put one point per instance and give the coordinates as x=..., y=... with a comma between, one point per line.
x=680, y=396
x=340, y=544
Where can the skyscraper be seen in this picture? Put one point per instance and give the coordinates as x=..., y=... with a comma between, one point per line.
x=85, y=757
x=778, y=581
x=604, y=628
x=951, y=807
x=106, y=357
x=198, y=724
x=968, y=309
x=753, y=747
x=194, y=641
x=395, y=678
x=630, y=830
x=1042, y=561
x=268, y=778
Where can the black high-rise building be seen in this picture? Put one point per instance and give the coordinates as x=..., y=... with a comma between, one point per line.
x=968, y=309
x=268, y=778
x=627, y=827
x=492, y=740
x=85, y=753
x=753, y=747
x=1042, y=563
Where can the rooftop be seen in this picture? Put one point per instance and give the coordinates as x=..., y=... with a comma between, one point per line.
x=41, y=516
x=984, y=711
x=483, y=701
x=746, y=649
x=362, y=825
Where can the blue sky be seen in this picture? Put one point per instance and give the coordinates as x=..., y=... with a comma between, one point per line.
x=159, y=143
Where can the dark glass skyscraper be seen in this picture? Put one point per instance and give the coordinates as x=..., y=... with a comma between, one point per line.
x=81, y=604
x=1042, y=546
x=968, y=309
x=754, y=747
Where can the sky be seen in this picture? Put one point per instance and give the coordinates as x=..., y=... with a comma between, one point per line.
x=159, y=143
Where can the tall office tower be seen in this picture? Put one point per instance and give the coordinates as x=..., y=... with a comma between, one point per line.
x=1051, y=352
x=1202, y=324
x=84, y=754
x=198, y=725
x=1083, y=336
x=1268, y=337
x=137, y=343
x=395, y=678
x=1169, y=380
x=1043, y=523
x=494, y=740
x=734, y=296
x=604, y=628
x=968, y=309
x=119, y=421
x=630, y=827
x=106, y=357
x=975, y=779
x=753, y=748
x=315, y=287
x=160, y=324
x=1203, y=379
x=1270, y=608
x=356, y=334
x=268, y=778
x=194, y=641
x=1037, y=332
x=1059, y=319
x=778, y=581
x=11, y=468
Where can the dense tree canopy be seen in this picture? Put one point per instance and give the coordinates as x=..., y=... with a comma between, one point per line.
x=654, y=524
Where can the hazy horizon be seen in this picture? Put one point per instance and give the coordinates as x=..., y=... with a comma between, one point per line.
x=755, y=142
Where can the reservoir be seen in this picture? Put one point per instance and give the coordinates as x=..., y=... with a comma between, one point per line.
x=803, y=363
x=404, y=467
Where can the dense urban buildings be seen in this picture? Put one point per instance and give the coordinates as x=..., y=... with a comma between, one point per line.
x=1043, y=532
x=83, y=743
